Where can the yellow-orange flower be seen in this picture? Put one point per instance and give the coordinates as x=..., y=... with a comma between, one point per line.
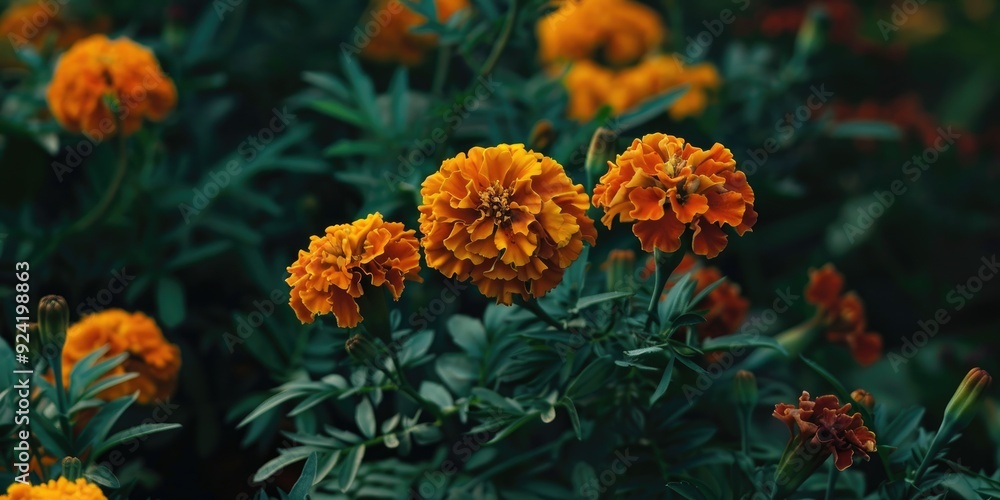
x=843, y=314
x=591, y=86
x=331, y=275
x=100, y=84
x=665, y=185
x=56, y=489
x=507, y=218
x=617, y=31
x=150, y=355
x=36, y=24
x=384, y=31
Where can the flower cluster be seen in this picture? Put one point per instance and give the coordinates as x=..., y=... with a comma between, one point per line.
x=395, y=42
x=56, y=489
x=842, y=314
x=331, y=275
x=665, y=185
x=507, y=218
x=102, y=85
x=150, y=355
x=827, y=428
x=592, y=86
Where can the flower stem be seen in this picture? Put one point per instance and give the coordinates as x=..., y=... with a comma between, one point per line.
x=109, y=195
x=501, y=42
x=61, y=399
x=540, y=313
x=665, y=265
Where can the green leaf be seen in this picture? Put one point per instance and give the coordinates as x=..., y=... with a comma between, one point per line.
x=355, y=148
x=687, y=490
x=651, y=108
x=643, y=351
x=468, y=333
x=305, y=483
x=270, y=403
x=741, y=340
x=497, y=401
x=398, y=94
x=285, y=457
x=591, y=378
x=593, y=300
x=574, y=417
x=865, y=129
x=133, y=433
x=364, y=416
x=339, y=111
x=102, y=422
x=103, y=476
x=511, y=427
x=661, y=388
x=170, y=302
x=437, y=394
x=349, y=469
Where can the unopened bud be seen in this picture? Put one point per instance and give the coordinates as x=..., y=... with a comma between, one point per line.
x=745, y=389
x=72, y=468
x=542, y=135
x=361, y=349
x=620, y=270
x=53, y=319
x=966, y=400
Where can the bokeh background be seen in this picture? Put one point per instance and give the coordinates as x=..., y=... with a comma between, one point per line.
x=889, y=85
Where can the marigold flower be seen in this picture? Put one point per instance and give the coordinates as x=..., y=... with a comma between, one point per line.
x=331, y=275
x=150, y=355
x=617, y=31
x=843, y=314
x=100, y=84
x=55, y=489
x=36, y=24
x=591, y=86
x=666, y=185
x=507, y=218
x=393, y=42
x=820, y=428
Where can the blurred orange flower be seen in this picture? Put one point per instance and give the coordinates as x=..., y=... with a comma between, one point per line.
x=150, y=355
x=507, y=218
x=36, y=24
x=384, y=34
x=666, y=185
x=843, y=314
x=725, y=306
x=825, y=423
x=591, y=86
x=100, y=84
x=328, y=277
x=617, y=31
x=61, y=488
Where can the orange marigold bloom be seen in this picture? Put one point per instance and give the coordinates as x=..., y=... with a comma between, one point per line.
x=150, y=355
x=843, y=314
x=617, y=31
x=825, y=424
x=34, y=23
x=725, y=306
x=507, y=218
x=591, y=86
x=333, y=272
x=666, y=185
x=100, y=82
x=393, y=41
x=55, y=489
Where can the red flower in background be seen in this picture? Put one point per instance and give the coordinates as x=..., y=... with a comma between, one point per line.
x=843, y=314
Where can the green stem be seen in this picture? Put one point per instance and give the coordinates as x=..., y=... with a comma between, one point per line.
x=61, y=401
x=744, y=432
x=501, y=42
x=932, y=452
x=109, y=195
x=540, y=313
x=441, y=70
x=408, y=389
x=665, y=265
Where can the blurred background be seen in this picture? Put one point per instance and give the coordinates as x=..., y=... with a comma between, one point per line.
x=866, y=128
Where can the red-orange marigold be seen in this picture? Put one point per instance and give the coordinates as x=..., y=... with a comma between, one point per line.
x=331, y=274
x=666, y=185
x=843, y=314
x=507, y=218
x=824, y=423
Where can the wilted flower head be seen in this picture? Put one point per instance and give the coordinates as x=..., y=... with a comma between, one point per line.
x=61, y=488
x=843, y=314
x=507, y=218
x=591, y=86
x=826, y=424
x=617, y=31
x=665, y=185
x=156, y=360
x=394, y=41
x=331, y=275
x=100, y=84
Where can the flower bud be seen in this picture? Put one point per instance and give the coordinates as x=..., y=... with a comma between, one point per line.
x=361, y=349
x=966, y=400
x=620, y=270
x=863, y=397
x=745, y=389
x=53, y=319
x=600, y=152
x=542, y=135
x=72, y=468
